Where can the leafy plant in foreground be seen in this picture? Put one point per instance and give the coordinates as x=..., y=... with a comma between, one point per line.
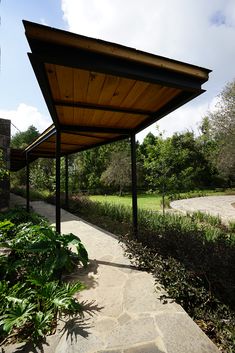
x=32, y=293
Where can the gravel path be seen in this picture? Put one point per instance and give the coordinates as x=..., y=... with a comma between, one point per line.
x=214, y=205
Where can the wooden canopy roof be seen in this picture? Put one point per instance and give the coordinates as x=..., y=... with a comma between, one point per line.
x=99, y=92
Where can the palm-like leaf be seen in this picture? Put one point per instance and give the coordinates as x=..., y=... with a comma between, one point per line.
x=55, y=295
x=17, y=315
x=42, y=323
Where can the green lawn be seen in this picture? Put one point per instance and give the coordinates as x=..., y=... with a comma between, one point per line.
x=147, y=202
x=150, y=202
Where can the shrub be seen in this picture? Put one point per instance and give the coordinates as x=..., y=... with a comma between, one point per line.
x=32, y=293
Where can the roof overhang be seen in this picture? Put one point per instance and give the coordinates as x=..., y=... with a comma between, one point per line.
x=99, y=92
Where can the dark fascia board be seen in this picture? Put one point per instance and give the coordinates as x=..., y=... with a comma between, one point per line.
x=105, y=43
x=40, y=140
x=96, y=62
x=39, y=70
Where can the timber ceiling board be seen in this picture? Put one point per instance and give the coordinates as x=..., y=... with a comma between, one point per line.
x=71, y=142
x=99, y=92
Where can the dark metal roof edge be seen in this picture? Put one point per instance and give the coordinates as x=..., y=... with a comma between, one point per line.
x=75, y=35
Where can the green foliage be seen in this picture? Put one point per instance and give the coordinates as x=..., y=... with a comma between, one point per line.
x=19, y=215
x=32, y=294
x=34, y=194
x=3, y=170
x=221, y=126
x=24, y=138
x=118, y=172
x=178, y=163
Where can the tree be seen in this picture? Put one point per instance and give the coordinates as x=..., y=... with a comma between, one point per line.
x=118, y=172
x=222, y=127
x=177, y=163
x=24, y=138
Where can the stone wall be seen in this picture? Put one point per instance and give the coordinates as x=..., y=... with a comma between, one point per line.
x=5, y=136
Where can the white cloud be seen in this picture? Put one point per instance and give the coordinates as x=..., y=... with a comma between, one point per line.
x=24, y=116
x=199, y=32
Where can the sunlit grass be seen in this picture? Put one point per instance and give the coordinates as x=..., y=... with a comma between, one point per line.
x=147, y=202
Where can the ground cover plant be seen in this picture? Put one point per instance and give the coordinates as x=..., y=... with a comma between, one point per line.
x=33, y=258
x=192, y=256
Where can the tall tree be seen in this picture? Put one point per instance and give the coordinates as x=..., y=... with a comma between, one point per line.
x=222, y=126
x=24, y=138
x=118, y=172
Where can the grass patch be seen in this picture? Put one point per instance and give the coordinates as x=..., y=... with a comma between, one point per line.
x=145, y=201
x=154, y=201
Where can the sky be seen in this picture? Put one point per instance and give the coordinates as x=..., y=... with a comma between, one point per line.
x=198, y=32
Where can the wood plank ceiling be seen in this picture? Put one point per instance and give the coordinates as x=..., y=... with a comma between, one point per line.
x=99, y=92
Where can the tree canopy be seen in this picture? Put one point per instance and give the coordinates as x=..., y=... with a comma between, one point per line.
x=221, y=125
x=24, y=138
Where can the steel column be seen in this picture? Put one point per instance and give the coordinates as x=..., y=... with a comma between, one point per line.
x=58, y=150
x=27, y=182
x=134, y=186
x=66, y=182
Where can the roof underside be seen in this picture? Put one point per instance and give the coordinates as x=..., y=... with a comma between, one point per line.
x=99, y=92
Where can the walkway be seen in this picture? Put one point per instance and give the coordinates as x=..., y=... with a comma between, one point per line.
x=214, y=205
x=123, y=311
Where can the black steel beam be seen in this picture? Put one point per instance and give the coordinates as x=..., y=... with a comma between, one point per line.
x=107, y=64
x=175, y=103
x=134, y=186
x=79, y=128
x=57, y=205
x=66, y=182
x=41, y=140
x=92, y=136
x=27, y=182
x=92, y=106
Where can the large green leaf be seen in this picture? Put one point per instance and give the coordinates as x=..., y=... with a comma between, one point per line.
x=17, y=315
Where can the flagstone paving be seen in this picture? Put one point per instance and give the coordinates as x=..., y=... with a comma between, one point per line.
x=123, y=312
x=221, y=206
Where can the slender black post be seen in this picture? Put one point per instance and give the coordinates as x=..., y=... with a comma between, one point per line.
x=27, y=182
x=66, y=182
x=134, y=186
x=57, y=201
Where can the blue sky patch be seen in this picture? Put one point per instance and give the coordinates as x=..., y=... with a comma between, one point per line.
x=218, y=18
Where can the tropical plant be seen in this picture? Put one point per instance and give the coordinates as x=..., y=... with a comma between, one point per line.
x=32, y=292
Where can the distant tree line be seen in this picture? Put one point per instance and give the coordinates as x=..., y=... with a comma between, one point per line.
x=182, y=162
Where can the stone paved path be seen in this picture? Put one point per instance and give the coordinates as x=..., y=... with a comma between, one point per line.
x=123, y=313
x=214, y=205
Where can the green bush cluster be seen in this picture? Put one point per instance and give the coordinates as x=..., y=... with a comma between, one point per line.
x=32, y=293
x=186, y=195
